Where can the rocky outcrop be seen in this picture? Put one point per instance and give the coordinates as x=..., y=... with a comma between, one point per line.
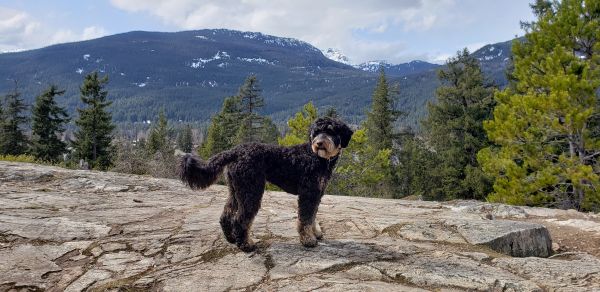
x=65, y=230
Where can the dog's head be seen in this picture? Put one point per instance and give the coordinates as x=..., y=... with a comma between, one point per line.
x=328, y=136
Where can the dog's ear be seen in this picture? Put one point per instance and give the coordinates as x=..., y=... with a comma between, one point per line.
x=311, y=132
x=345, y=134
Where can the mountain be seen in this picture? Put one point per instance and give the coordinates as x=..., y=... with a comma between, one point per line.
x=398, y=70
x=337, y=55
x=494, y=60
x=189, y=74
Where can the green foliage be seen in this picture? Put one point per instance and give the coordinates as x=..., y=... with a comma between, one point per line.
x=544, y=122
x=48, y=123
x=238, y=122
x=253, y=127
x=362, y=170
x=13, y=140
x=455, y=130
x=185, y=139
x=299, y=126
x=331, y=112
x=18, y=158
x=249, y=95
x=94, y=136
x=380, y=119
x=417, y=169
x=159, y=138
x=223, y=128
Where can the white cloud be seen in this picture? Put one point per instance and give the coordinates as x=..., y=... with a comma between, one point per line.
x=20, y=31
x=323, y=24
x=93, y=32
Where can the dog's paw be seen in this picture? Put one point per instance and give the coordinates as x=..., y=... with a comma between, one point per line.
x=247, y=247
x=317, y=231
x=309, y=241
x=229, y=237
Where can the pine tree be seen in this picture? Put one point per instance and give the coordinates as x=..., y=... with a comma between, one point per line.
x=48, y=122
x=455, y=128
x=185, y=140
x=14, y=141
x=158, y=141
x=545, y=123
x=417, y=169
x=362, y=170
x=223, y=128
x=299, y=126
x=253, y=126
x=380, y=119
x=94, y=136
x=250, y=97
x=331, y=112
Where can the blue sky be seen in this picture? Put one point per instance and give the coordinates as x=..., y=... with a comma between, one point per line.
x=393, y=30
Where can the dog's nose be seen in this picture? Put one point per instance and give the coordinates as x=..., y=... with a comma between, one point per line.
x=320, y=143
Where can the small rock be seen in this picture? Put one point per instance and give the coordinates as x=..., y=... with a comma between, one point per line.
x=115, y=188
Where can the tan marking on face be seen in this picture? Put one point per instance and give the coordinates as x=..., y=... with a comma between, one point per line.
x=323, y=146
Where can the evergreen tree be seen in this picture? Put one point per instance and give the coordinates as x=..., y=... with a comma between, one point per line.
x=158, y=140
x=48, y=123
x=223, y=128
x=161, y=150
x=185, y=140
x=455, y=128
x=544, y=123
x=380, y=119
x=253, y=127
x=331, y=112
x=94, y=136
x=250, y=97
x=299, y=126
x=417, y=169
x=14, y=141
x=362, y=170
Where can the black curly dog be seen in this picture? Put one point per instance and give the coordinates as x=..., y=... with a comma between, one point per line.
x=303, y=170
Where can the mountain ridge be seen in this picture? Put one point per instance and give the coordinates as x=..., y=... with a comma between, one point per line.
x=189, y=73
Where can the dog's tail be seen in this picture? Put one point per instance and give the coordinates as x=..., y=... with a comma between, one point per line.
x=199, y=174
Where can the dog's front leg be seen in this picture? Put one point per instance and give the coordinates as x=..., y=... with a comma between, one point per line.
x=307, y=211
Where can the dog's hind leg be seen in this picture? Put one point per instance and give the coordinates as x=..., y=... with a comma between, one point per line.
x=249, y=204
x=229, y=212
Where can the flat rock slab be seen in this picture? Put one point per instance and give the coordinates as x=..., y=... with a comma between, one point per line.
x=67, y=230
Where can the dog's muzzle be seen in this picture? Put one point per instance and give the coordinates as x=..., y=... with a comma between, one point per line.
x=324, y=146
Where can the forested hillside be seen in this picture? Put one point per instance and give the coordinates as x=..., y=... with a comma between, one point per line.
x=190, y=73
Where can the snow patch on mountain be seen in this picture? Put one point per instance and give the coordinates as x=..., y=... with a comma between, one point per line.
x=200, y=62
x=256, y=60
x=337, y=55
x=373, y=66
x=491, y=53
